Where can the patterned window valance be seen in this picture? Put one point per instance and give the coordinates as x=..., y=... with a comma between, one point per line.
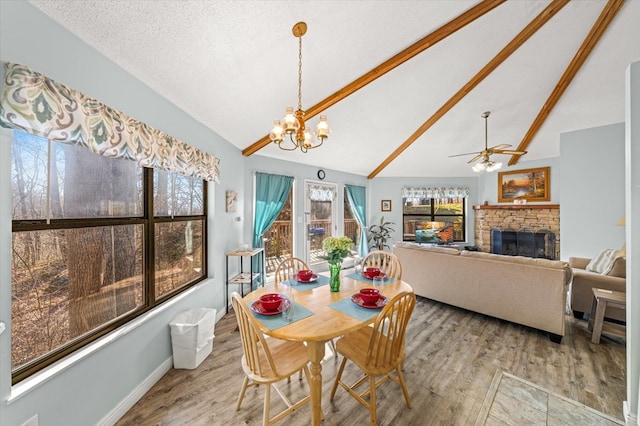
x=435, y=192
x=322, y=193
x=36, y=104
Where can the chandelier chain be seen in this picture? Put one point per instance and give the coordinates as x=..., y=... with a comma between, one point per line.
x=300, y=73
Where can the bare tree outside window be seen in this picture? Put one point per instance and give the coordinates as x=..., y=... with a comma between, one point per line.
x=79, y=238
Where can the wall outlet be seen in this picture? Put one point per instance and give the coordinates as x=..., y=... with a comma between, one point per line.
x=33, y=421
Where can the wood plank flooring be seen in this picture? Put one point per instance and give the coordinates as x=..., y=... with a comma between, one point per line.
x=452, y=357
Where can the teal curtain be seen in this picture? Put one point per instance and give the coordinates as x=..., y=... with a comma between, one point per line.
x=271, y=193
x=357, y=197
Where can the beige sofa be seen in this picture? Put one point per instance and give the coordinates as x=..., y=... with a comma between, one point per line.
x=584, y=281
x=527, y=291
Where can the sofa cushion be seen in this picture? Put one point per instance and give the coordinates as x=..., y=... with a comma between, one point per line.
x=618, y=268
x=603, y=261
x=545, y=263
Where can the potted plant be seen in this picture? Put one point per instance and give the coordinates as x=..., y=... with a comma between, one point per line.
x=379, y=234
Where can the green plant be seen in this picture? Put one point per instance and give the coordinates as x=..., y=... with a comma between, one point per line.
x=379, y=235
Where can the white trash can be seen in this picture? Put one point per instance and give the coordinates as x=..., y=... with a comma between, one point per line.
x=192, y=337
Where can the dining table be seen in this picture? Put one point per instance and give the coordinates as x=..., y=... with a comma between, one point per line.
x=320, y=315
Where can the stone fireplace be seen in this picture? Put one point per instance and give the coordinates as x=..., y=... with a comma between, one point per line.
x=538, y=226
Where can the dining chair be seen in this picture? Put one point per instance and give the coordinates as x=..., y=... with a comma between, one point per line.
x=267, y=360
x=386, y=261
x=377, y=351
x=288, y=269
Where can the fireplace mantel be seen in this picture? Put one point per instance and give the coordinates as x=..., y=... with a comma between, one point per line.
x=516, y=217
x=517, y=206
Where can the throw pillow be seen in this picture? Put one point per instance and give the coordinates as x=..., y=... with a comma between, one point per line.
x=618, y=268
x=602, y=262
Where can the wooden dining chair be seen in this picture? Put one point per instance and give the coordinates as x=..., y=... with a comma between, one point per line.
x=288, y=269
x=386, y=261
x=267, y=360
x=377, y=351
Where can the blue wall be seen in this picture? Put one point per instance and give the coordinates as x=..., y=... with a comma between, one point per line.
x=592, y=184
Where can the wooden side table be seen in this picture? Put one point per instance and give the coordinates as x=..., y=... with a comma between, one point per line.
x=601, y=300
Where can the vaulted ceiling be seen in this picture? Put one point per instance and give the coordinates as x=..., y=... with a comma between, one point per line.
x=233, y=65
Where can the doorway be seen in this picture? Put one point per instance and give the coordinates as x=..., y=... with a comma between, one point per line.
x=320, y=220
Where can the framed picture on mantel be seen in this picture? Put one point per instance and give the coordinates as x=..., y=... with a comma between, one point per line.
x=527, y=184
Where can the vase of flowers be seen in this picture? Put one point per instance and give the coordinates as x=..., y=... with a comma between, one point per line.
x=336, y=249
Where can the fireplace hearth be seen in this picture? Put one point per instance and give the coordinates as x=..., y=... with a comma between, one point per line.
x=539, y=244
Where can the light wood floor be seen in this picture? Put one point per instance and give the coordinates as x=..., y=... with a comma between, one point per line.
x=452, y=357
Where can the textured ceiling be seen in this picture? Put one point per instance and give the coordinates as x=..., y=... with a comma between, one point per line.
x=233, y=66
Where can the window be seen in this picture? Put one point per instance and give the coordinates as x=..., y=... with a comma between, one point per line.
x=96, y=242
x=433, y=220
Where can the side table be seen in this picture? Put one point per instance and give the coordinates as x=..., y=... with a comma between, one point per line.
x=601, y=300
x=254, y=277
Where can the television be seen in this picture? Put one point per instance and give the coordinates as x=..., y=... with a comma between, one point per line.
x=434, y=233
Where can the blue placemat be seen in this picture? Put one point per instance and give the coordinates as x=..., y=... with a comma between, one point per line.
x=346, y=306
x=293, y=283
x=276, y=321
x=360, y=277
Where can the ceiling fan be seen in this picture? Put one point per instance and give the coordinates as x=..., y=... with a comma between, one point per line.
x=486, y=153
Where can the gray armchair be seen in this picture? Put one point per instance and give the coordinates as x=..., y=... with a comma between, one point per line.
x=584, y=281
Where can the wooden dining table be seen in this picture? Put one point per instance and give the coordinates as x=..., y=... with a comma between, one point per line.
x=324, y=323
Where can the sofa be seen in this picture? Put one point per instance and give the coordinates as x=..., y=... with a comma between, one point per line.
x=584, y=280
x=527, y=291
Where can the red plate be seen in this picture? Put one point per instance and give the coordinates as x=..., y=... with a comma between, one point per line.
x=259, y=309
x=355, y=298
x=381, y=274
x=313, y=278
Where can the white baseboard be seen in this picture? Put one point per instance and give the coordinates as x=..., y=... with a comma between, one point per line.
x=631, y=419
x=125, y=405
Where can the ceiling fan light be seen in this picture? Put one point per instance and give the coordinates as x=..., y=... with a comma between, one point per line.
x=478, y=167
x=494, y=166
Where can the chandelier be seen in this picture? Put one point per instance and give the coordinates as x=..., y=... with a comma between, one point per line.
x=291, y=133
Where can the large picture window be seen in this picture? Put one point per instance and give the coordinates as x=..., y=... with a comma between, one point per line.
x=96, y=242
x=433, y=220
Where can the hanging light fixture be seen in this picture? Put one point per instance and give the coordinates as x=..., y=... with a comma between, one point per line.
x=291, y=133
x=486, y=164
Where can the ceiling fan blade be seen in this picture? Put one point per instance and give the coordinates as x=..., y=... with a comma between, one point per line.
x=499, y=147
x=468, y=153
x=509, y=152
x=474, y=159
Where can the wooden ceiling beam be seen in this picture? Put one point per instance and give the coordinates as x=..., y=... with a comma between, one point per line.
x=537, y=23
x=420, y=46
x=606, y=17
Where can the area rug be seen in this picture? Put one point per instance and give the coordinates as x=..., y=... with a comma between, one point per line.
x=514, y=401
